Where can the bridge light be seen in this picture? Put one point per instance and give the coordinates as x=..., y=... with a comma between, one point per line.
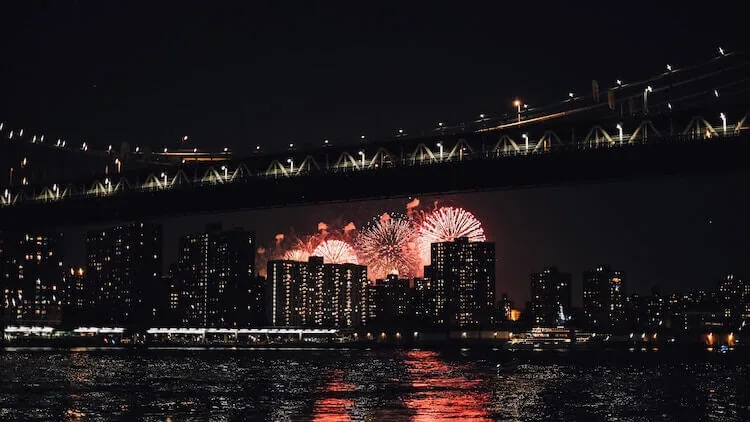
x=118, y=164
x=1, y=125
x=41, y=139
x=291, y=165
x=20, y=132
x=257, y=147
x=669, y=68
x=440, y=147
x=618, y=82
x=400, y=131
x=669, y=106
x=362, y=154
x=325, y=141
x=225, y=170
x=481, y=116
x=721, y=51
x=33, y=139
x=526, y=139
x=571, y=95
x=109, y=148
x=165, y=150
x=362, y=137
x=291, y=145
x=226, y=149
x=184, y=138
x=137, y=149
x=195, y=150
x=723, y=118
x=619, y=128
x=440, y=124
x=716, y=93
x=63, y=144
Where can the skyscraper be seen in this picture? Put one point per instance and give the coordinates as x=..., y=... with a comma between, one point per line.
x=213, y=281
x=316, y=294
x=31, y=277
x=73, y=296
x=391, y=301
x=551, y=297
x=123, y=269
x=463, y=276
x=424, y=300
x=733, y=294
x=604, y=297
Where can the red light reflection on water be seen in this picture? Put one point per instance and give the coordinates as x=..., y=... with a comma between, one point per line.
x=333, y=409
x=440, y=394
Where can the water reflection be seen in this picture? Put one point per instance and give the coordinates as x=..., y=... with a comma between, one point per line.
x=330, y=385
x=443, y=391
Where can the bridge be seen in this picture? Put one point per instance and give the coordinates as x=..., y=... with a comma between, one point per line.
x=695, y=119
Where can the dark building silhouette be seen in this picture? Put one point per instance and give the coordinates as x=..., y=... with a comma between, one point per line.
x=31, y=277
x=123, y=271
x=604, y=298
x=214, y=282
x=73, y=297
x=551, y=298
x=315, y=294
x=391, y=302
x=423, y=301
x=463, y=277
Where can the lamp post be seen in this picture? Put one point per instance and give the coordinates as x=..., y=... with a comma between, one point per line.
x=362, y=154
x=291, y=165
x=723, y=122
x=619, y=128
x=118, y=163
x=526, y=140
x=440, y=149
x=645, y=98
x=226, y=172
x=164, y=176
x=517, y=103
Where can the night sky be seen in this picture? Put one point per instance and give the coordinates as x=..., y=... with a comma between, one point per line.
x=246, y=73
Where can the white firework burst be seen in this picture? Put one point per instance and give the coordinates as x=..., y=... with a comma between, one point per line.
x=388, y=246
x=296, y=255
x=447, y=224
x=336, y=252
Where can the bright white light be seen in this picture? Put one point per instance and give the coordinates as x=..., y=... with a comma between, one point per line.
x=195, y=150
x=669, y=68
x=325, y=141
x=619, y=82
x=400, y=131
x=649, y=89
x=481, y=116
x=109, y=149
x=526, y=139
x=361, y=153
x=165, y=150
x=137, y=149
x=721, y=51
x=184, y=138
x=716, y=93
x=291, y=145
x=669, y=105
x=440, y=124
x=257, y=147
x=226, y=149
x=362, y=137
x=571, y=95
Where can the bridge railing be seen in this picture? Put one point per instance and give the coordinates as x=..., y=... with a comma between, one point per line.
x=500, y=147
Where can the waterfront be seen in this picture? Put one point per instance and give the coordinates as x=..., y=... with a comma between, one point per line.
x=324, y=384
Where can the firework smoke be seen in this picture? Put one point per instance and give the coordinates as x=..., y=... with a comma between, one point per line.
x=446, y=224
x=388, y=246
x=336, y=252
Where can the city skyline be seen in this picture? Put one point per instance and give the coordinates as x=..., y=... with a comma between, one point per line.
x=664, y=225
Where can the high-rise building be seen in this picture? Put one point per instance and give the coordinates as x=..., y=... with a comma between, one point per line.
x=31, y=277
x=316, y=294
x=391, y=301
x=733, y=294
x=122, y=273
x=424, y=300
x=463, y=274
x=604, y=298
x=551, y=298
x=73, y=296
x=213, y=283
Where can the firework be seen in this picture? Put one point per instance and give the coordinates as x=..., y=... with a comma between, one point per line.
x=388, y=246
x=296, y=255
x=336, y=252
x=446, y=224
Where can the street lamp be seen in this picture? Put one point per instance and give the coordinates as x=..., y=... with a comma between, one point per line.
x=723, y=118
x=164, y=175
x=440, y=148
x=226, y=172
x=669, y=68
x=526, y=139
x=291, y=165
x=571, y=95
x=362, y=154
x=645, y=98
x=226, y=149
x=716, y=93
x=721, y=51
x=118, y=163
x=109, y=149
x=165, y=150
x=618, y=82
x=184, y=138
x=257, y=147
x=619, y=128
x=517, y=103
x=325, y=142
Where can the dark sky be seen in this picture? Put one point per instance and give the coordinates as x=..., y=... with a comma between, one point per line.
x=247, y=73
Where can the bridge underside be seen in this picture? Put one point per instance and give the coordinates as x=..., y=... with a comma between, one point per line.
x=563, y=166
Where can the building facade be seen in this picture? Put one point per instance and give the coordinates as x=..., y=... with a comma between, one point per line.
x=123, y=270
x=551, y=297
x=391, y=302
x=314, y=294
x=604, y=298
x=463, y=277
x=31, y=276
x=213, y=283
